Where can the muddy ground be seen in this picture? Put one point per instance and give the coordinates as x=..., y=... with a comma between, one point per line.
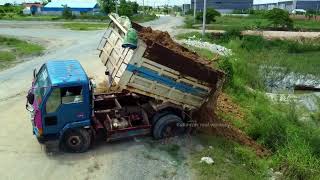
x=21, y=156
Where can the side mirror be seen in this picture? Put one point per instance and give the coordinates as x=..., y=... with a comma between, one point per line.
x=30, y=98
x=34, y=73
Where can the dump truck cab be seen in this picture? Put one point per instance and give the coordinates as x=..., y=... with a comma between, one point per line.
x=60, y=98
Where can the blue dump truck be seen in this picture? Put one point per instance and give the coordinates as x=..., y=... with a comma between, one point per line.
x=147, y=95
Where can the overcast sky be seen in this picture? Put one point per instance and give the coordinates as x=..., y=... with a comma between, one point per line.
x=163, y=2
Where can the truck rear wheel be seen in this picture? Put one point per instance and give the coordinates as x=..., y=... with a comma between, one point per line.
x=168, y=126
x=76, y=140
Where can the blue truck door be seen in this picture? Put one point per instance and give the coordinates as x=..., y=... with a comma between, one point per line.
x=50, y=114
x=65, y=105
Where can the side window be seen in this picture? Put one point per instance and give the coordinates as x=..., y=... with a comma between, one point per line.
x=54, y=101
x=71, y=94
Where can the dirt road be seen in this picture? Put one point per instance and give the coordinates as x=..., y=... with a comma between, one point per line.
x=291, y=35
x=21, y=157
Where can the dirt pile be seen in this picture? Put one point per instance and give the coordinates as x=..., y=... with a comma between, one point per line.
x=226, y=106
x=151, y=36
x=216, y=126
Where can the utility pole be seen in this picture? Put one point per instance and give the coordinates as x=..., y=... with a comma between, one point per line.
x=116, y=6
x=194, y=10
x=204, y=17
x=143, y=6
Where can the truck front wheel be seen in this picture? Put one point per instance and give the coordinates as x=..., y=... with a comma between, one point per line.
x=76, y=140
x=168, y=126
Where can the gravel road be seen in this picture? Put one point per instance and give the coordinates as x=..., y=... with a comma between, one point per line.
x=21, y=157
x=291, y=35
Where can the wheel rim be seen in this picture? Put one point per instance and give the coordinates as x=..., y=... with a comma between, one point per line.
x=74, y=141
x=171, y=130
x=168, y=131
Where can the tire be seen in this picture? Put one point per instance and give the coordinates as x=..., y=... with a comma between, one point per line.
x=168, y=126
x=41, y=140
x=76, y=140
x=157, y=116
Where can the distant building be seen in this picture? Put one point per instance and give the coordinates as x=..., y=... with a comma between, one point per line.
x=186, y=8
x=18, y=2
x=32, y=8
x=224, y=6
x=288, y=5
x=77, y=7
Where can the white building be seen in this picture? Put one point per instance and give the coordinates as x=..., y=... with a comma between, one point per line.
x=18, y=2
x=288, y=5
x=76, y=6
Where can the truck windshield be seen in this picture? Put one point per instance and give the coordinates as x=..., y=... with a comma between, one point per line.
x=41, y=85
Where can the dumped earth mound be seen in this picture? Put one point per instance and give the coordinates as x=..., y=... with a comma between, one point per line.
x=150, y=36
x=226, y=106
x=216, y=126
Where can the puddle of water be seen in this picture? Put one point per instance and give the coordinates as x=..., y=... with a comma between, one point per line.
x=280, y=87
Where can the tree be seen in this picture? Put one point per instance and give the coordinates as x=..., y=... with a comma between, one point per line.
x=210, y=16
x=310, y=14
x=107, y=6
x=134, y=6
x=67, y=13
x=280, y=18
x=125, y=9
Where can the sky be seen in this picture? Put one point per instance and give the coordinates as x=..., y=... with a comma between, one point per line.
x=152, y=2
x=162, y=2
x=146, y=2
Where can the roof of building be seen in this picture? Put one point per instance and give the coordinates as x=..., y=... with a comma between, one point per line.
x=66, y=72
x=71, y=4
x=256, y=2
x=3, y=2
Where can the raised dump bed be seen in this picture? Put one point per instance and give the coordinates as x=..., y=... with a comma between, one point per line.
x=158, y=68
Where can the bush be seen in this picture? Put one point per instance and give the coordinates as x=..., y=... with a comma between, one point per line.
x=259, y=13
x=252, y=162
x=280, y=18
x=210, y=16
x=296, y=159
x=67, y=13
x=268, y=127
x=231, y=34
x=227, y=67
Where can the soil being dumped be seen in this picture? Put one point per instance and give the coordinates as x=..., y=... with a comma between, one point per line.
x=217, y=126
x=150, y=36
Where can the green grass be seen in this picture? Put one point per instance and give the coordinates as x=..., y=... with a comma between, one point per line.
x=174, y=151
x=311, y=25
x=294, y=144
x=85, y=26
x=250, y=23
x=203, y=52
x=231, y=161
x=84, y=17
x=296, y=56
x=239, y=22
x=6, y=56
x=30, y=18
x=11, y=49
x=144, y=18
